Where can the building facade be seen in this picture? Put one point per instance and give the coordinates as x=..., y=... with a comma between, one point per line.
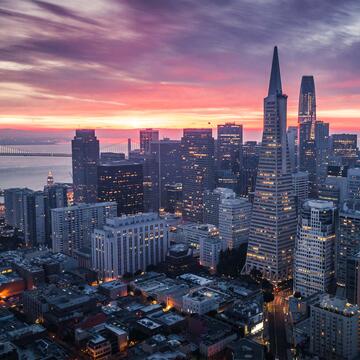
x=72, y=227
x=197, y=157
x=314, y=261
x=234, y=222
x=25, y=210
x=334, y=329
x=129, y=243
x=348, y=239
x=228, y=154
x=122, y=182
x=300, y=181
x=147, y=136
x=273, y=223
x=85, y=159
x=212, y=200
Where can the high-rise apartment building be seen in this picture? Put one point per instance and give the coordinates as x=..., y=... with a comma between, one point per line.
x=234, y=222
x=25, y=210
x=197, y=157
x=85, y=159
x=314, y=260
x=212, y=201
x=71, y=227
x=301, y=188
x=348, y=239
x=147, y=136
x=334, y=329
x=122, y=182
x=129, y=243
x=273, y=223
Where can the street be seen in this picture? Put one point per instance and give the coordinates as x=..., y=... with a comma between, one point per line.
x=276, y=326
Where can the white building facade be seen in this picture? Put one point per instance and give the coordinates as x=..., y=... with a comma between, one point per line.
x=129, y=243
x=314, y=263
x=210, y=248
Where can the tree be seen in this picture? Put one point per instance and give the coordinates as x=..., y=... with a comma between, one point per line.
x=127, y=276
x=231, y=262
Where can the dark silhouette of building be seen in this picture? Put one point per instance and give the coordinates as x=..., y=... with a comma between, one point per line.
x=122, y=182
x=166, y=154
x=250, y=160
x=344, y=149
x=85, y=159
x=228, y=154
x=197, y=157
x=150, y=178
x=173, y=198
x=147, y=136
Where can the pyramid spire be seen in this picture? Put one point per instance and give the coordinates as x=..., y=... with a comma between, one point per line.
x=275, y=78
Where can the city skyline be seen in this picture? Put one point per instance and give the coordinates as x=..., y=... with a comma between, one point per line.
x=65, y=67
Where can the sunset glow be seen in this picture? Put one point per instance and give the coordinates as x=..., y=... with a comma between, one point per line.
x=123, y=66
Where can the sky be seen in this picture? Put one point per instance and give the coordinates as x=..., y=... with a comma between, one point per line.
x=126, y=64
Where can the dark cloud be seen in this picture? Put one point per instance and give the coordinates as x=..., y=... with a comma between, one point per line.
x=209, y=43
x=62, y=11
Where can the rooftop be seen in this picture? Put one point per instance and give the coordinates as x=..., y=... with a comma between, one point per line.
x=338, y=305
x=195, y=279
x=148, y=323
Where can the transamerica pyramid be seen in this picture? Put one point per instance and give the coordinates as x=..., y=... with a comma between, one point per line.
x=273, y=223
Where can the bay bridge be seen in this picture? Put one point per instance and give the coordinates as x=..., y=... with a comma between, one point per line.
x=6, y=150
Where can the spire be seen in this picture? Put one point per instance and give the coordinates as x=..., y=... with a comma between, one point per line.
x=275, y=79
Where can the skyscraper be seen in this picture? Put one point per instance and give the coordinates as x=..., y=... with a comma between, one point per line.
x=273, y=223
x=348, y=240
x=122, y=182
x=292, y=137
x=166, y=154
x=197, y=157
x=85, y=159
x=71, y=227
x=301, y=188
x=250, y=161
x=234, y=222
x=314, y=263
x=147, y=136
x=25, y=209
x=306, y=120
x=228, y=154
x=307, y=100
